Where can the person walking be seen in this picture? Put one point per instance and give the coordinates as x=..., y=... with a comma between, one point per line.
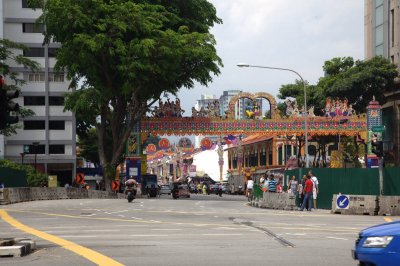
x=272, y=184
x=293, y=185
x=308, y=190
x=314, y=179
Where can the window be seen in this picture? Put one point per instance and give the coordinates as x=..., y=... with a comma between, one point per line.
x=32, y=149
x=32, y=28
x=56, y=125
x=52, y=52
x=25, y=4
x=34, y=52
x=56, y=149
x=34, y=124
x=39, y=77
x=56, y=101
x=39, y=52
x=34, y=100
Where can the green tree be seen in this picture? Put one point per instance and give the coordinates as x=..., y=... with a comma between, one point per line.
x=358, y=81
x=10, y=52
x=128, y=53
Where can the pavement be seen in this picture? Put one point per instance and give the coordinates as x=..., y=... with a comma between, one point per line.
x=201, y=230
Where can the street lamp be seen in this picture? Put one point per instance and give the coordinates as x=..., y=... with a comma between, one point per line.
x=305, y=101
x=22, y=157
x=35, y=145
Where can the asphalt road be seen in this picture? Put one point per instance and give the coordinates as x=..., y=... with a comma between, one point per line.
x=202, y=230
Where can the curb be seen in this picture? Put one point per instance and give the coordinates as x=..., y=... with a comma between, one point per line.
x=16, y=247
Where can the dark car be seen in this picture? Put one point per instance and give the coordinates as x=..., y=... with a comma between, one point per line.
x=379, y=245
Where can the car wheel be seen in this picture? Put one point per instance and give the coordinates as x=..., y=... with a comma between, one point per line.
x=169, y=193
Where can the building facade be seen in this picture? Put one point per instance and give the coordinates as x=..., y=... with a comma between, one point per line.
x=382, y=38
x=46, y=140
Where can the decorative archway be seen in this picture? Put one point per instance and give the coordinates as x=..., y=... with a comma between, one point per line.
x=253, y=97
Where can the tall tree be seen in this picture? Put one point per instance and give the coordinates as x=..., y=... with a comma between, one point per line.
x=11, y=52
x=129, y=52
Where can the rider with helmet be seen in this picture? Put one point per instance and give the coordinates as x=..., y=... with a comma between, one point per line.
x=131, y=185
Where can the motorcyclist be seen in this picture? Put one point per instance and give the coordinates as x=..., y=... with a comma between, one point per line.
x=131, y=185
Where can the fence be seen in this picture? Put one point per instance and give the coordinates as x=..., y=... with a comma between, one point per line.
x=351, y=181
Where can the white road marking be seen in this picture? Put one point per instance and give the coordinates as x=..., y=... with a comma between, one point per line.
x=295, y=234
x=338, y=238
x=137, y=218
x=147, y=235
x=88, y=215
x=166, y=229
x=154, y=221
x=74, y=236
x=131, y=225
x=222, y=234
x=103, y=230
x=121, y=215
x=225, y=228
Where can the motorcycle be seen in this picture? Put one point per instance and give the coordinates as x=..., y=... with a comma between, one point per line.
x=175, y=192
x=131, y=195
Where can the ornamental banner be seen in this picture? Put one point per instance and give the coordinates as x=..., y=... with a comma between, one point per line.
x=151, y=148
x=206, y=144
x=164, y=144
x=185, y=143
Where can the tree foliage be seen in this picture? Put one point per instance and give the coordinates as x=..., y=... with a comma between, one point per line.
x=128, y=53
x=34, y=178
x=358, y=81
x=10, y=52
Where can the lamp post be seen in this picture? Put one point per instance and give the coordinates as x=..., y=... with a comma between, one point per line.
x=305, y=101
x=22, y=157
x=35, y=145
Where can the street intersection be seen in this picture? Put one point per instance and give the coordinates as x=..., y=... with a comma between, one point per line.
x=202, y=230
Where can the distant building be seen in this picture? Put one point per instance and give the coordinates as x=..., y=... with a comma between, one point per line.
x=52, y=129
x=382, y=37
x=225, y=98
x=203, y=103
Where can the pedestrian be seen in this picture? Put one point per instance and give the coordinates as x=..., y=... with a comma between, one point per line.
x=220, y=189
x=293, y=185
x=66, y=185
x=204, y=189
x=272, y=184
x=308, y=193
x=301, y=189
x=314, y=179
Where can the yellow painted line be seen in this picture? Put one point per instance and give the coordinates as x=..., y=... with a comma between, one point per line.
x=88, y=254
x=387, y=219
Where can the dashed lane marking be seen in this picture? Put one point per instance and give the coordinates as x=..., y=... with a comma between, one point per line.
x=338, y=238
x=88, y=254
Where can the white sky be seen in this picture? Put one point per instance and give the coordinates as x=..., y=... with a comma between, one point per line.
x=296, y=34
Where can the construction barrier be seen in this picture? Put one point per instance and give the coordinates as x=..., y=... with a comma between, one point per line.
x=278, y=201
x=389, y=205
x=14, y=195
x=355, y=204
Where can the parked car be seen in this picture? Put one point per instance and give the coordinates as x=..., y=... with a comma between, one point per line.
x=378, y=245
x=165, y=189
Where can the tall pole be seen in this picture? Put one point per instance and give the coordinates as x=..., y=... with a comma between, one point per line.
x=305, y=102
x=35, y=145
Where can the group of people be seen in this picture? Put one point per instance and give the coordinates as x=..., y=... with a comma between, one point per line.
x=307, y=190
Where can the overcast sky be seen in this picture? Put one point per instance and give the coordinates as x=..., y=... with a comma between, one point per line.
x=295, y=34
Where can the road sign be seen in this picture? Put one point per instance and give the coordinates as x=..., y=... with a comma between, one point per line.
x=80, y=178
x=378, y=128
x=115, y=185
x=342, y=202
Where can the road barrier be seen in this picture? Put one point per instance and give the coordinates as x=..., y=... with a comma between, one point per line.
x=389, y=205
x=356, y=205
x=278, y=201
x=14, y=195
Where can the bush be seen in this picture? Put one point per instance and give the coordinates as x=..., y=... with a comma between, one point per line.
x=34, y=179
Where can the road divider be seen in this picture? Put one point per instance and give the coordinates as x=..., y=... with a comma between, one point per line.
x=14, y=195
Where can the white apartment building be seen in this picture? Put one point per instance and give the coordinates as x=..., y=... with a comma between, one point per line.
x=49, y=135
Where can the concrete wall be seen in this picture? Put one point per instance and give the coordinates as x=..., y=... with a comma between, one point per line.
x=14, y=195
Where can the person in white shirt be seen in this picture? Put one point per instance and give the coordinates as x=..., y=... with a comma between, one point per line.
x=314, y=179
x=250, y=184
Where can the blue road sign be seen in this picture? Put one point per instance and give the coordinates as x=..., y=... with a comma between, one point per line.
x=342, y=202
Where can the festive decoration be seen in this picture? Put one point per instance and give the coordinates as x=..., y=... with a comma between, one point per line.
x=151, y=148
x=164, y=144
x=206, y=144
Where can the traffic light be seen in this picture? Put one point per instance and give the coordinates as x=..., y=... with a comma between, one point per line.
x=7, y=105
x=377, y=147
